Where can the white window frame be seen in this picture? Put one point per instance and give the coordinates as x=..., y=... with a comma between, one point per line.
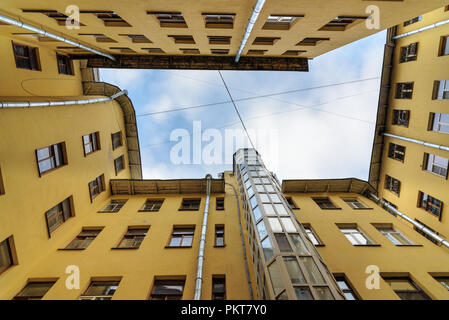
x=351, y=234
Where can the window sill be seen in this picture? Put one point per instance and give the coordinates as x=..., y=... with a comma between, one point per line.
x=319, y=245
x=71, y=249
x=188, y=209
x=107, y=211
x=148, y=211
x=408, y=245
x=41, y=174
x=367, y=245
x=222, y=246
x=125, y=248
x=179, y=247
x=330, y=208
x=363, y=208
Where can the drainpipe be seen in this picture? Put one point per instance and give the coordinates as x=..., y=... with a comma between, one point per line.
x=427, y=144
x=199, y=268
x=418, y=225
x=432, y=26
x=44, y=33
x=29, y=104
x=252, y=20
x=243, y=243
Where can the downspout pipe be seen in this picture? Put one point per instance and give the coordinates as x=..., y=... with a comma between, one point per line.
x=432, y=26
x=200, y=262
x=252, y=20
x=28, y=104
x=251, y=295
x=427, y=144
x=44, y=33
x=418, y=225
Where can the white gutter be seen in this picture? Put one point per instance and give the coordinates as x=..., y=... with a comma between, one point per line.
x=199, y=268
x=418, y=225
x=427, y=144
x=44, y=33
x=432, y=26
x=28, y=104
x=252, y=20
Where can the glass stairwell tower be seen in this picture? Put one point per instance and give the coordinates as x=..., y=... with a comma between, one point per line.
x=287, y=265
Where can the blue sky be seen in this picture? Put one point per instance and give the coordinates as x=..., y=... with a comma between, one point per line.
x=322, y=133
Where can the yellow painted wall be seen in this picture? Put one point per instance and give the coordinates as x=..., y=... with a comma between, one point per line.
x=28, y=196
x=138, y=267
x=343, y=258
x=424, y=71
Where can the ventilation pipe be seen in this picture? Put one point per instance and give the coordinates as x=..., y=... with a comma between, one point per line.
x=44, y=33
x=29, y=104
x=251, y=296
x=199, y=268
x=252, y=20
x=418, y=225
x=427, y=144
x=432, y=26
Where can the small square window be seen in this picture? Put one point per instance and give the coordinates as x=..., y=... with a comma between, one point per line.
x=396, y=152
x=65, y=65
x=341, y=23
x=401, y=117
x=114, y=205
x=96, y=187
x=34, y=290
x=218, y=287
x=355, y=235
x=404, y=90
x=133, y=238
x=100, y=290
x=152, y=205
x=267, y=41
x=311, y=41
x=219, y=20
x=167, y=289
x=355, y=203
x=409, y=53
x=182, y=39
x=412, y=21
x=190, y=204
x=406, y=289
x=57, y=215
x=392, y=184
x=444, y=46
x=430, y=204
x=280, y=22
x=51, y=157
x=110, y=18
x=181, y=237
x=83, y=239
x=119, y=164
x=324, y=203
x=220, y=203
x=394, y=235
x=219, y=236
x=7, y=254
x=26, y=57
x=91, y=142
x=170, y=19
x=116, y=140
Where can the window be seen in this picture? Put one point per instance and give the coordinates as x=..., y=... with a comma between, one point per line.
x=182, y=237
x=7, y=254
x=291, y=203
x=439, y=122
x=219, y=40
x=83, y=239
x=436, y=164
x=430, y=204
x=167, y=290
x=91, y=143
x=34, y=290
x=444, y=46
x=355, y=236
x=170, y=19
x=58, y=16
x=190, y=204
x=311, y=41
x=392, y=184
x=396, y=152
x=96, y=187
x=219, y=20
x=219, y=51
x=441, y=90
x=444, y=281
x=266, y=41
x=390, y=204
x=219, y=203
x=404, y=90
x=395, y=236
x=409, y=53
x=114, y=205
x=133, y=238
x=425, y=234
x=152, y=205
x=137, y=38
x=219, y=287
x=412, y=21
x=219, y=235
x=405, y=288
x=189, y=51
x=280, y=22
x=65, y=65
x=154, y=50
x=110, y=18
x=99, y=37
x=182, y=39
x=340, y=23
x=324, y=203
x=344, y=285
x=355, y=203
x=100, y=290
x=51, y=157
x=2, y=186
x=293, y=52
x=254, y=52
x=119, y=164
x=116, y=140
x=123, y=49
x=282, y=242
x=312, y=235
x=401, y=117
x=59, y=214
x=26, y=57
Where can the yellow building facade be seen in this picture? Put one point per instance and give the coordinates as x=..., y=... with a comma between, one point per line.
x=73, y=201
